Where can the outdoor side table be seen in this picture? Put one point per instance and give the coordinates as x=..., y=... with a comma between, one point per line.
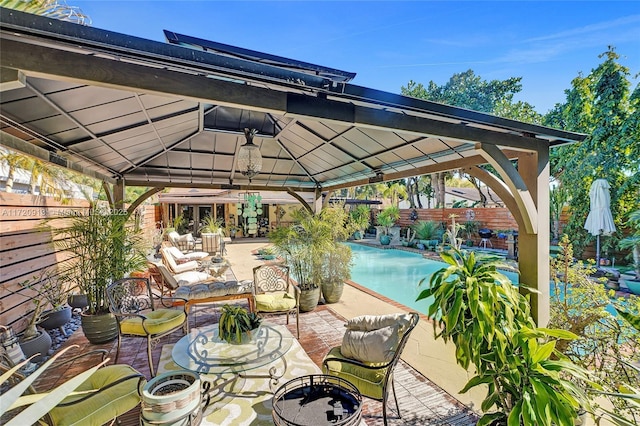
x=317, y=400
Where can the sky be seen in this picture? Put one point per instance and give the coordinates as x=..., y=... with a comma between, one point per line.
x=389, y=43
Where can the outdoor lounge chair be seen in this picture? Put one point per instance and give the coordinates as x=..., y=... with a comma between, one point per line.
x=186, y=257
x=132, y=303
x=108, y=393
x=177, y=266
x=370, y=350
x=185, y=243
x=274, y=292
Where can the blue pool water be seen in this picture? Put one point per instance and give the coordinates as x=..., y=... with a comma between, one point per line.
x=396, y=273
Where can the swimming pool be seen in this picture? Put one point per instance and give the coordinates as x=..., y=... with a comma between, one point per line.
x=396, y=273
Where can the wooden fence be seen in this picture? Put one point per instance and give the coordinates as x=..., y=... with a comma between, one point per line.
x=491, y=218
x=26, y=249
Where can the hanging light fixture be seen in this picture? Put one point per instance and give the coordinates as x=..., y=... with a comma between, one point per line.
x=249, y=157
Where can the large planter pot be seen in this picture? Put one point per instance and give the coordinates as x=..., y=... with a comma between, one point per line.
x=385, y=240
x=99, y=328
x=332, y=292
x=633, y=285
x=37, y=345
x=172, y=398
x=309, y=299
x=55, y=319
x=78, y=301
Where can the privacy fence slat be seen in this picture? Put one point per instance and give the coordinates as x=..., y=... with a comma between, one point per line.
x=25, y=250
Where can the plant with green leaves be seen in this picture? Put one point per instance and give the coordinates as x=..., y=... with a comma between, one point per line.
x=528, y=382
x=35, y=406
x=581, y=304
x=632, y=242
x=104, y=248
x=387, y=218
x=303, y=245
x=360, y=216
x=213, y=226
x=426, y=230
x=235, y=321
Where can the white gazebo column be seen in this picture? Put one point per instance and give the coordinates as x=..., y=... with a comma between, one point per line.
x=533, y=247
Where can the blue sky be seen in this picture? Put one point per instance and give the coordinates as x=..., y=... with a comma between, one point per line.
x=547, y=43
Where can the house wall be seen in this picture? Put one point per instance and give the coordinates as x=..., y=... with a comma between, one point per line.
x=26, y=250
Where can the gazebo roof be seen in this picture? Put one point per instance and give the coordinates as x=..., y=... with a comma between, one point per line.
x=163, y=114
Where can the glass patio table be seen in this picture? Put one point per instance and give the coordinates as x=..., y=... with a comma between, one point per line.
x=203, y=351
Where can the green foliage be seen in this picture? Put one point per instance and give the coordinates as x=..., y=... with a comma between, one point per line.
x=387, y=218
x=489, y=321
x=311, y=243
x=212, y=226
x=35, y=406
x=180, y=224
x=579, y=305
x=426, y=230
x=360, y=217
x=600, y=106
x=236, y=320
x=633, y=241
x=103, y=248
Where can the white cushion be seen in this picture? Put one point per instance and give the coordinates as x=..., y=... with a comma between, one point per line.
x=374, y=322
x=176, y=253
x=174, y=266
x=371, y=346
x=191, y=277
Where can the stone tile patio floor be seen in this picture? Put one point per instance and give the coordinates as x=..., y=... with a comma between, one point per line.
x=421, y=402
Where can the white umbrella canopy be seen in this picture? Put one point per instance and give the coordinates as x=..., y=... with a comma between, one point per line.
x=599, y=221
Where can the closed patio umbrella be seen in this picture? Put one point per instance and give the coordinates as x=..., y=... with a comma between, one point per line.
x=600, y=221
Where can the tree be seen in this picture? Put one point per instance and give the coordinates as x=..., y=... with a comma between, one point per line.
x=14, y=161
x=599, y=105
x=467, y=90
x=394, y=192
x=49, y=8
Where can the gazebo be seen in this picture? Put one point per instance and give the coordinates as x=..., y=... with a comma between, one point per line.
x=137, y=112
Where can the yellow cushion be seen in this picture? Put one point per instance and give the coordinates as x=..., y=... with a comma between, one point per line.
x=101, y=407
x=368, y=381
x=157, y=321
x=274, y=302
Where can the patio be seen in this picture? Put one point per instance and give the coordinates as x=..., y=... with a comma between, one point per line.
x=421, y=401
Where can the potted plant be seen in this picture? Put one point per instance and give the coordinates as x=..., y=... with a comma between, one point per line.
x=489, y=322
x=213, y=226
x=386, y=219
x=304, y=246
x=426, y=231
x=34, y=340
x=104, y=248
x=237, y=325
x=338, y=257
x=51, y=292
x=360, y=217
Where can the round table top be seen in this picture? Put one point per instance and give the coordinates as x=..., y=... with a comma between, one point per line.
x=203, y=351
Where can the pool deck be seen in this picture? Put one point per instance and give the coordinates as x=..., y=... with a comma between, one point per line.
x=432, y=358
